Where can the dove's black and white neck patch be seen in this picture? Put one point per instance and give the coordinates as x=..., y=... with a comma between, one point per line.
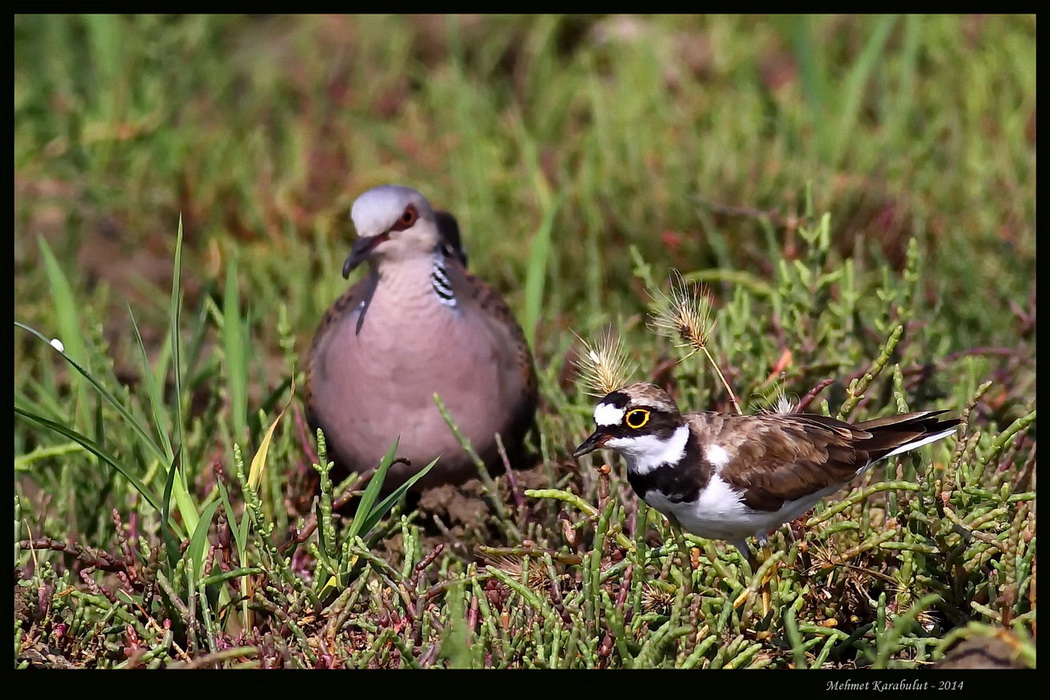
x=440, y=282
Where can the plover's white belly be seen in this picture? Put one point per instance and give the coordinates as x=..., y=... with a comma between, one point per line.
x=720, y=512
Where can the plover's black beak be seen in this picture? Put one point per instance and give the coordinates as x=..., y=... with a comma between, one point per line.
x=592, y=443
x=362, y=248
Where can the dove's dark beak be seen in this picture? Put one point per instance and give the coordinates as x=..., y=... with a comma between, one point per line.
x=592, y=443
x=362, y=248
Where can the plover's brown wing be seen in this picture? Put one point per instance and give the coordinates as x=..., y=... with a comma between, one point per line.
x=784, y=457
x=772, y=459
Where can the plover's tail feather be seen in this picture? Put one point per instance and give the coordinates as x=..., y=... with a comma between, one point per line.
x=894, y=435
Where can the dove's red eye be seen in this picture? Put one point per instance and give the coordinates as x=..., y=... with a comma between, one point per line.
x=407, y=218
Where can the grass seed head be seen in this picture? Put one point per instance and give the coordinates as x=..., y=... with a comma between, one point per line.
x=604, y=366
x=538, y=577
x=656, y=599
x=778, y=402
x=683, y=313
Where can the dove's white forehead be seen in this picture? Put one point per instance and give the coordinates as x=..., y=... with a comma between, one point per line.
x=376, y=210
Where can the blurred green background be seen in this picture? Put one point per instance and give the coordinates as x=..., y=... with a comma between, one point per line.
x=692, y=137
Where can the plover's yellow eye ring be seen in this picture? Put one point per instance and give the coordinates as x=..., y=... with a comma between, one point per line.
x=636, y=418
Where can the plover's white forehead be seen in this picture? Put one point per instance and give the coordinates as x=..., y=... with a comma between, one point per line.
x=608, y=414
x=376, y=210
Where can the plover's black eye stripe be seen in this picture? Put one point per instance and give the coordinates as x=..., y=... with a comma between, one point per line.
x=628, y=424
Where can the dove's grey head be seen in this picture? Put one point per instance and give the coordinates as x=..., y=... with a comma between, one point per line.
x=392, y=222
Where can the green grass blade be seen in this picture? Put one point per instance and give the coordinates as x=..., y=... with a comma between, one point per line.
x=904, y=97
x=42, y=400
x=197, y=549
x=258, y=465
x=377, y=512
x=192, y=351
x=95, y=449
x=235, y=343
x=182, y=495
x=67, y=310
x=235, y=527
x=254, y=420
x=141, y=431
x=158, y=411
x=160, y=377
x=100, y=426
x=856, y=82
x=174, y=319
x=165, y=519
x=181, y=490
x=536, y=273
x=812, y=73
x=372, y=492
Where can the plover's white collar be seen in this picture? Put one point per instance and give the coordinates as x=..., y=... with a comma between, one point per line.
x=648, y=452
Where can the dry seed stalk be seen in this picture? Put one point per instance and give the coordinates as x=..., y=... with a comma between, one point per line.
x=684, y=315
